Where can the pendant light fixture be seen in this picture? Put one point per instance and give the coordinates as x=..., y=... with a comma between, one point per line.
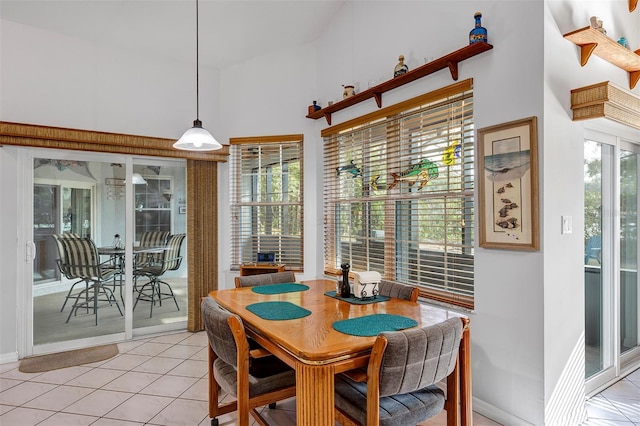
x=197, y=138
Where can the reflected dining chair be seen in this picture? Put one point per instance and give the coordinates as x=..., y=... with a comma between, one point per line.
x=229, y=365
x=265, y=279
x=167, y=258
x=83, y=261
x=399, y=291
x=400, y=385
x=62, y=264
x=150, y=240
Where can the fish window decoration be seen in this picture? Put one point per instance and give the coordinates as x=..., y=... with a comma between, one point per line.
x=419, y=173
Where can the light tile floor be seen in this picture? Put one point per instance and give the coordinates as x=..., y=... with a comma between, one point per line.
x=163, y=381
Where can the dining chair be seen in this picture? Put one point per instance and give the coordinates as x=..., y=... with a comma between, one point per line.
x=61, y=263
x=151, y=239
x=265, y=279
x=397, y=290
x=400, y=385
x=169, y=259
x=229, y=366
x=82, y=261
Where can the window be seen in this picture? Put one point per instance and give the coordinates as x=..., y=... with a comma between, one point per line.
x=266, y=199
x=153, y=205
x=399, y=194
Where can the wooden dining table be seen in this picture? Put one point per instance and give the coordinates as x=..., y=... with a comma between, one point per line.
x=317, y=351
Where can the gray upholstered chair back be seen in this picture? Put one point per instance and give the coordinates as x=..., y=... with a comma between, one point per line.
x=218, y=331
x=419, y=357
x=264, y=279
x=397, y=290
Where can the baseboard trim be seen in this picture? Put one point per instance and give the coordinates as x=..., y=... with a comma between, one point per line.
x=8, y=357
x=497, y=415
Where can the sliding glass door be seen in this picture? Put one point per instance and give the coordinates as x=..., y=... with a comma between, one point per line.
x=610, y=258
x=94, y=277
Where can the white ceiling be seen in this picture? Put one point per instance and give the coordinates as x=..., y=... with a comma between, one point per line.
x=231, y=31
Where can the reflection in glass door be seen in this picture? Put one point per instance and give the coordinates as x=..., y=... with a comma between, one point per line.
x=611, y=200
x=160, y=267
x=628, y=249
x=69, y=196
x=597, y=262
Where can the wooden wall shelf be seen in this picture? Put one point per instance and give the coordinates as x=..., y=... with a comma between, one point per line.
x=593, y=41
x=448, y=61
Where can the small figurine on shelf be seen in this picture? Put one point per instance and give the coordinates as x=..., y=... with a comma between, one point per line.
x=348, y=91
x=622, y=41
x=478, y=33
x=401, y=68
x=596, y=24
x=314, y=107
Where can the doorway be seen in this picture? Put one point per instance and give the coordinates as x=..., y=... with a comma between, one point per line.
x=611, y=258
x=104, y=204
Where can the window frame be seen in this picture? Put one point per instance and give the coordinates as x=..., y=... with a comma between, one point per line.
x=454, y=272
x=289, y=249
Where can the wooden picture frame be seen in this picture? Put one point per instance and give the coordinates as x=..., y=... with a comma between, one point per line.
x=508, y=185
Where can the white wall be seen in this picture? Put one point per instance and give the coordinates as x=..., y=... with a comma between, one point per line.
x=9, y=310
x=563, y=173
x=528, y=324
x=55, y=80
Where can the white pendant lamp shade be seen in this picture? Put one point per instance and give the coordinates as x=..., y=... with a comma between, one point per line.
x=197, y=138
x=137, y=179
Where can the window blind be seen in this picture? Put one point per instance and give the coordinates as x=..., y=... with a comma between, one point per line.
x=399, y=194
x=267, y=199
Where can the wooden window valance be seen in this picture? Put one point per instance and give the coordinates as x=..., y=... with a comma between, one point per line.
x=86, y=140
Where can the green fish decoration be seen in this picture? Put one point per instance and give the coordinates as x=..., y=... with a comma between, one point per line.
x=350, y=168
x=422, y=172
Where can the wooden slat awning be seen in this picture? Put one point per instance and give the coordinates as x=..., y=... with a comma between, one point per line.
x=86, y=140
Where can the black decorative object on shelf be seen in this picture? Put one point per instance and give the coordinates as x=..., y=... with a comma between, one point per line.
x=478, y=33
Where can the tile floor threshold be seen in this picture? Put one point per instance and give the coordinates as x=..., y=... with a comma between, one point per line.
x=162, y=381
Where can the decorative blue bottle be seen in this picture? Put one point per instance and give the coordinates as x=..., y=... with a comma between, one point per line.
x=479, y=33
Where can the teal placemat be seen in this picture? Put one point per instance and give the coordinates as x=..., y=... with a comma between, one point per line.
x=357, y=301
x=371, y=325
x=278, y=310
x=279, y=288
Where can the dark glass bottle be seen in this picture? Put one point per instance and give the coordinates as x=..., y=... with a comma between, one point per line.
x=346, y=289
x=478, y=33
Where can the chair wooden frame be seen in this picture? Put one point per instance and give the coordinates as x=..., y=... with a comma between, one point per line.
x=372, y=378
x=244, y=404
x=238, y=280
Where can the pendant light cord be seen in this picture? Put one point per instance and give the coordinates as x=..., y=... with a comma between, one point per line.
x=197, y=64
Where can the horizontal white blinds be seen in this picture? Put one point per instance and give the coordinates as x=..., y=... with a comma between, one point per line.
x=267, y=199
x=399, y=196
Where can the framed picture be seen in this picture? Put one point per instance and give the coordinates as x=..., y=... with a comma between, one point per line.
x=508, y=185
x=182, y=209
